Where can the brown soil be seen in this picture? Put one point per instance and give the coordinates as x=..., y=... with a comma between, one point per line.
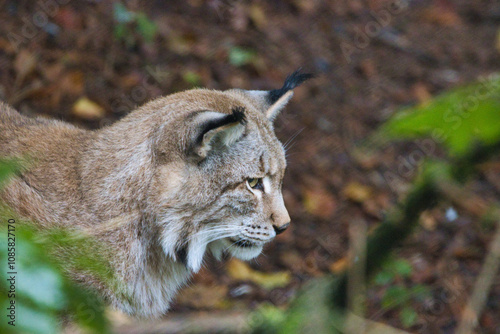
x=52, y=57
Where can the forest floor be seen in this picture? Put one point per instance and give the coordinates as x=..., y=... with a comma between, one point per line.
x=91, y=62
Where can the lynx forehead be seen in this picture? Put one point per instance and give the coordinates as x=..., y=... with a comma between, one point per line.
x=192, y=172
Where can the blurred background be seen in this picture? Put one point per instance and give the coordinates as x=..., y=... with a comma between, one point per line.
x=91, y=62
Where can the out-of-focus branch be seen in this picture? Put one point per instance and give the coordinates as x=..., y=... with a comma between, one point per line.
x=356, y=274
x=470, y=203
x=482, y=287
x=194, y=322
x=369, y=326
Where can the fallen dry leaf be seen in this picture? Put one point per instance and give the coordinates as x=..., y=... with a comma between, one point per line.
x=428, y=221
x=319, y=202
x=371, y=207
x=52, y=72
x=357, y=192
x=441, y=16
x=67, y=18
x=24, y=65
x=339, y=265
x=239, y=270
x=87, y=109
x=118, y=318
x=258, y=16
x=307, y=6
x=292, y=259
x=204, y=296
x=421, y=93
x=6, y=46
x=73, y=83
x=366, y=159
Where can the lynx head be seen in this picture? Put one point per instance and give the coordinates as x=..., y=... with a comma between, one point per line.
x=218, y=172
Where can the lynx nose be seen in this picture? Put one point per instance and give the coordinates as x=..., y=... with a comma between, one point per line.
x=280, y=218
x=280, y=229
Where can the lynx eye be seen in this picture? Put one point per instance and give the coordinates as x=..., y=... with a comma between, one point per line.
x=255, y=183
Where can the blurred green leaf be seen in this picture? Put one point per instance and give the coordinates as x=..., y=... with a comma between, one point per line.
x=121, y=14
x=120, y=31
x=31, y=320
x=128, y=22
x=308, y=313
x=392, y=269
x=459, y=119
x=402, y=267
x=420, y=291
x=240, y=56
x=42, y=284
x=146, y=27
x=408, y=317
x=384, y=277
x=394, y=296
x=269, y=315
x=7, y=169
x=191, y=78
x=40, y=288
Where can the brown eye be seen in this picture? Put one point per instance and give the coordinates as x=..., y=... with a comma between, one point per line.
x=255, y=183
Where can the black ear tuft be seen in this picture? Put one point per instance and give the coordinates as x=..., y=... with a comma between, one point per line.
x=293, y=80
x=237, y=116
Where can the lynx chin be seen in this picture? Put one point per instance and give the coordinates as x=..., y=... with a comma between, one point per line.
x=190, y=173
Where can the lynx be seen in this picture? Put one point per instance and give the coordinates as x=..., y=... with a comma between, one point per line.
x=190, y=173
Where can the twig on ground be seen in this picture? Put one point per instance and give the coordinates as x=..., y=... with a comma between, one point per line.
x=482, y=287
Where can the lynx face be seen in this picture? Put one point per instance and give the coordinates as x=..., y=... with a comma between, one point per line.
x=247, y=209
x=223, y=189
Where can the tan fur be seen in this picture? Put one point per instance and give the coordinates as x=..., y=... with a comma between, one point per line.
x=149, y=193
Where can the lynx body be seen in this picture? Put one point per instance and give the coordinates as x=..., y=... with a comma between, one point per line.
x=192, y=172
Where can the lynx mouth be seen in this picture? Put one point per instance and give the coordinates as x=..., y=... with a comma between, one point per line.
x=244, y=243
x=243, y=248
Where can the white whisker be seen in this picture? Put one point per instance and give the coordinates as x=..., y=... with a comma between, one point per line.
x=289, y=141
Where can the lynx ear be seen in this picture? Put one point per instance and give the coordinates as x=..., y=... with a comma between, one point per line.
x=218, y=129
x=272, y=102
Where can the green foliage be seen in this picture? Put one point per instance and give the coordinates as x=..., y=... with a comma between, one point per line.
x=121, y=14
x=398, y=295
x=393, y=269
x=408, y=317
x=42, y=293
x=127, y=23
x=191, y=78
x=458, y=119
x=269, y=316
x=240, y=56
x=309, y=313
x=7, y=169
x=145, y=27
